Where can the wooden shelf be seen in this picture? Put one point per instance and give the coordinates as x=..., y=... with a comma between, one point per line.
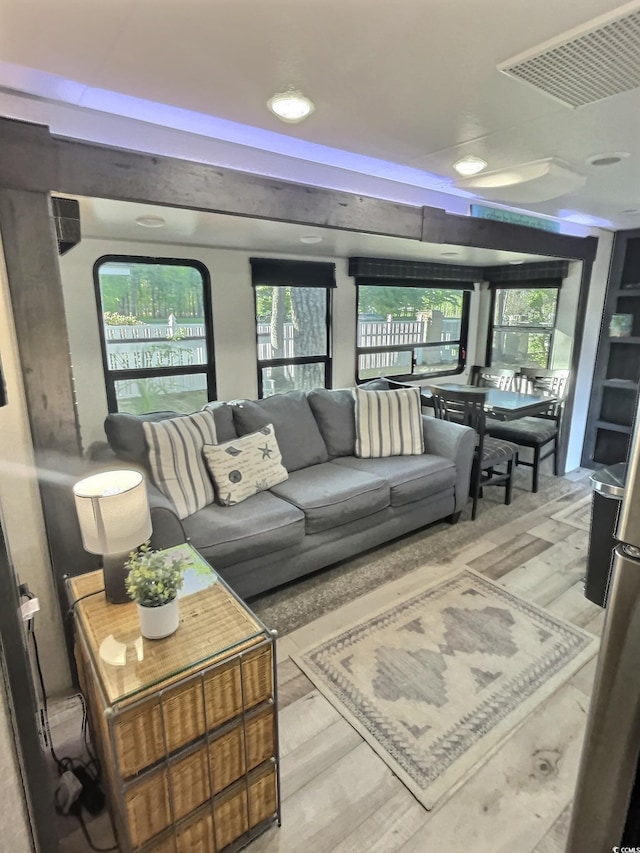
x=613, y=427
x=622, y=384
x=616, y=377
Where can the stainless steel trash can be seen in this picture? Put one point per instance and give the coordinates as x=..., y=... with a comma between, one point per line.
x=608, y=491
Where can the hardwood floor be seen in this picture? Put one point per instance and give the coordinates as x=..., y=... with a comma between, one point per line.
x=340, y=797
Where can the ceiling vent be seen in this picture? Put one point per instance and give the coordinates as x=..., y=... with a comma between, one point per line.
x=587, y=64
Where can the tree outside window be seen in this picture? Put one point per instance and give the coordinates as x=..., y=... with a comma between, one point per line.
x=292, y=325
x=407, y=331
x=155, y=333
x=522, y=327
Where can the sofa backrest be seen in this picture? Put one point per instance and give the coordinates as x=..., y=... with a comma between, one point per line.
x=334, y=411
x=299, y=438
x=126, y=437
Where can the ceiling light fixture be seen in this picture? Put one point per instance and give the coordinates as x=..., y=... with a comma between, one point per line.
x=151, y=221
x=468, y=166
x=290, y=106
x=537, y=181
x=608, y=159
x=311, y=238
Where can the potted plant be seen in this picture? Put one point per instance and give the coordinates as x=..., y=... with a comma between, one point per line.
x=153, y=582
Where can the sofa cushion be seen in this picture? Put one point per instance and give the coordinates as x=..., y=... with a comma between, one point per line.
x=388, y=423
x=299, y=438
x=125, y=432
x=244, y=466
x=334, y=412
x=411, y=478
x=126, y=436
x=330, y=495
x=258, y=526
x=175, y=459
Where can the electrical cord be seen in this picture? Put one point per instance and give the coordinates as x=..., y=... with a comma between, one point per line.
x=87, y=789
x=85, y=832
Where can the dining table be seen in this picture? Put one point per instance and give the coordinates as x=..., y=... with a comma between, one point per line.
x=499, y=404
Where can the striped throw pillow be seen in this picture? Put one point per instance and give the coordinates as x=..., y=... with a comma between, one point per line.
x=388, y=423
x=175, y=459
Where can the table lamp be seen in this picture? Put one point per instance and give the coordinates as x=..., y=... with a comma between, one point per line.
x=114, y=519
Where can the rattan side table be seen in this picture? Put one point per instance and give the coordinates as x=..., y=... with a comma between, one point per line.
x=186, y=727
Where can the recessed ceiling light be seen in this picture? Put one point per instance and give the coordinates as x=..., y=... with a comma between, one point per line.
x=311, y=238
x=516, y=262
x=470, y=165
x=449, y=254
x=608, y=159
x=151, y=221
x=291, y=106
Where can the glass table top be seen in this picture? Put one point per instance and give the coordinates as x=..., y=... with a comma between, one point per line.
x=214, y=624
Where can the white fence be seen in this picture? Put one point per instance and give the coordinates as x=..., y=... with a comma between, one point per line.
x=153, y=345
x=152, y=331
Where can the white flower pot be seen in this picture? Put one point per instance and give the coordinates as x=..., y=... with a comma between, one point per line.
x=158, y=622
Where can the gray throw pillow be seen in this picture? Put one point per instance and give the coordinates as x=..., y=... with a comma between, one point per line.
x=297, y=433
x=334, y=412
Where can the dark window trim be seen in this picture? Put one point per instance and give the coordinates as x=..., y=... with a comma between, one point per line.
x=536, y=330
x=274, y=272
x=113, y=376
x=460, y=342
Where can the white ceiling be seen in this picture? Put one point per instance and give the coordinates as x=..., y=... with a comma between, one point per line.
x=411, y=83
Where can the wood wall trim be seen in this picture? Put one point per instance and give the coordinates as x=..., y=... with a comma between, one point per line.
x=441, y=227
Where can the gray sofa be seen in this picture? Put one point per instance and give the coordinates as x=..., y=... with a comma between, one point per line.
x=332, y=506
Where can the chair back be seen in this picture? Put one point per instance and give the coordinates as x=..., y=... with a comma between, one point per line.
x=463, y=407
x=494, y=377
x=548, y=383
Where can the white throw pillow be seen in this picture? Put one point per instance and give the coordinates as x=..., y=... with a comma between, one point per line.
x=388, y=423
x=245, y=466
x=175, y=458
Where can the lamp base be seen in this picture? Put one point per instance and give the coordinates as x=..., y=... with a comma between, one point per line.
x=115, y=573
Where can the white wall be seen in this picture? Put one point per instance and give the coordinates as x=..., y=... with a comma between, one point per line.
x=15, y=829
x=20, y=503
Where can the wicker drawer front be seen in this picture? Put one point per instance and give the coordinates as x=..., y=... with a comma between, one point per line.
x=232, y=818
x=179, y=716
x=185, y=781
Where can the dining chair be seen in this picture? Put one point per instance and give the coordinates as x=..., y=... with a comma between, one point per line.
x=504, y=378
x=540, y=432
x=468, y=407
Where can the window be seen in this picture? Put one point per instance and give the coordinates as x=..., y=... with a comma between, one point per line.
x=521, y=332
x=156, y=333
x=411, y=331
x=293, y=321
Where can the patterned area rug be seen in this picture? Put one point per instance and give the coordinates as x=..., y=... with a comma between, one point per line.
x=578, y=515
x=436, y=682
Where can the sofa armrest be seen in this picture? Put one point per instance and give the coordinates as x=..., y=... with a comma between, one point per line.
x=167, y=529
x=455, y=442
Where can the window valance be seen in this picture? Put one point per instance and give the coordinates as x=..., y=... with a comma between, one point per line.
x=274, y=272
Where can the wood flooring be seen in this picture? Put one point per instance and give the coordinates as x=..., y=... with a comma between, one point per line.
x=338, y=796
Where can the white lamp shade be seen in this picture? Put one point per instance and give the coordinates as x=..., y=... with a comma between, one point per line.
x=113, y=511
